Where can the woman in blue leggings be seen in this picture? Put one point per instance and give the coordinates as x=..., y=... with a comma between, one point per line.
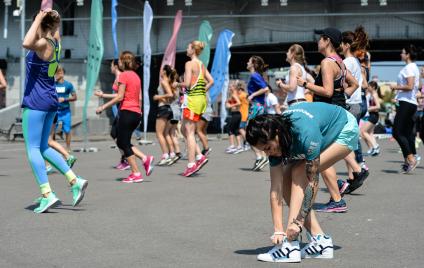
x=40, y=105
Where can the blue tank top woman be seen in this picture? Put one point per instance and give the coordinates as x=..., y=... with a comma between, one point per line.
x=40, y=104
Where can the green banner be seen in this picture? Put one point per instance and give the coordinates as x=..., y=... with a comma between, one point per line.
x=95, y=55
x=205, y=35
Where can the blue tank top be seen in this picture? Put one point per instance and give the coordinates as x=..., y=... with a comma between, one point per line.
x=40, y=92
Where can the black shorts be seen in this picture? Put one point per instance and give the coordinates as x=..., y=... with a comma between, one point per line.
x=164, y=111
x=373, y=118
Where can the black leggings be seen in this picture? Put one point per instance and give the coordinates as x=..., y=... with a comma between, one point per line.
x=234, y=126
x=403, y=127
x=127, y=123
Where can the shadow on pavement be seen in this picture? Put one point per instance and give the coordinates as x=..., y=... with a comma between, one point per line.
x=390, y=171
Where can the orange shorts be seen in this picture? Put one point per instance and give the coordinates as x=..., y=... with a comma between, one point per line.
x=187, y=114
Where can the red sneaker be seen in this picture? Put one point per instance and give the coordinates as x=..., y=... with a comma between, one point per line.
x=190, y=171
x=201, y=162
x=148, y=165
x=132, y=178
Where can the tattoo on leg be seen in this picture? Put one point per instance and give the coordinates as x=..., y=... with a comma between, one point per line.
x=312, y=167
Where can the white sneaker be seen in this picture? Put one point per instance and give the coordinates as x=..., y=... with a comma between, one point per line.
x=286, y=252
x=320, y=247
x=164, y=161
x=230, y=149
x=238, y=150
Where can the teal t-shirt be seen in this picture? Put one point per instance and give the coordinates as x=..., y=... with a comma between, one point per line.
x=315, y=126
x=63, y=90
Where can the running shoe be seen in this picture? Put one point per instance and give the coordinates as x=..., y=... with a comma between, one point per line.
x=286, y=252
x=263, y=163
x=418, y=158
x=342, y=186
x=320, y=247
x=190, y=171
x=238, y=150
x=164, y=161
x=375, y=151
x=333, y=206
x=256, y=165
x=201, y=162
x=370, y=151
x=363, y=165
x=49, y=169
x=206, y=152
x=357, y=182
x=123, y=166
x=78, y=190
x=246, y=147
x=46, y=203
x=408, y=167
x=132, y=178
x=71, y=160
x=148, y=165
x=38, y=199
x=174, y=159
x=231, y=149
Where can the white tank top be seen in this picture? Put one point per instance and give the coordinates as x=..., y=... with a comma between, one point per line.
x=299, y=92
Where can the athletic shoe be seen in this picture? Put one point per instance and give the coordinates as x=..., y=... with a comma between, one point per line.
x=49, y=169
x=238, y=150
x=148, y=165
x=123, y=166
x=320, y=247
x=206, y=152
x=342, y=186
x=263, y=163
x=370, y=151
x=132, y=178
x=286, y=252
x=333, y=206
x=38, y=199
x=418, y=158
x=78, y=190
x=201, y=162
x=256, y=165
x=190, y=171
x=230, y=150
x=247, y=147
x=357, y=182
x=409, y=167
x=174, y=159
x=71, y=160
x=164, y=161
x=364, y=166
x=46, y=203
x=375, y=151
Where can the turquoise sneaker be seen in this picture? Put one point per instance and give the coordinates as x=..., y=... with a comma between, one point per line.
x=78, y=190
x=71, y=160
x=38, y=199
x=46, y=203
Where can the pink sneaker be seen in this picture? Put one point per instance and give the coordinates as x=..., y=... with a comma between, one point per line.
x=148, y=165
x=132, y=178
x=201, y=162
x=190, y=171
x=124, y=166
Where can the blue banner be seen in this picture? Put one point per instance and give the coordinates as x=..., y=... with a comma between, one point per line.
x=114, y=21
x=147, y=26
x=220, y=71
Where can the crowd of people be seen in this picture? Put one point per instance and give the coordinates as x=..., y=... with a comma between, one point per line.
x=318, y=125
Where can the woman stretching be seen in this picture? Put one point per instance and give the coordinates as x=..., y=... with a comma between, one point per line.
x=306, y=139
x=129, y=90
x=197, y=80
x=40, y=104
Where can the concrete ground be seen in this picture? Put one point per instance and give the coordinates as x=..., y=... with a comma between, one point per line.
x=219, y=218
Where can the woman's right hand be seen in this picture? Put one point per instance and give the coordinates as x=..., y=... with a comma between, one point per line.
x=98, y=93
x=41, y=14
x=277, y=238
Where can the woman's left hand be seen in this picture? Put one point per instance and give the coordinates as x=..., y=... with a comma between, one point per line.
x=99, y=110
x=300, y=81
x=292, y=231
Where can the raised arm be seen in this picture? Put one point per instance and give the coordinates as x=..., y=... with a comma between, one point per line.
x=31, y=40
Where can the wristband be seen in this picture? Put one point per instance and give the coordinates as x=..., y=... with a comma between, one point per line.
x=298, y=225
